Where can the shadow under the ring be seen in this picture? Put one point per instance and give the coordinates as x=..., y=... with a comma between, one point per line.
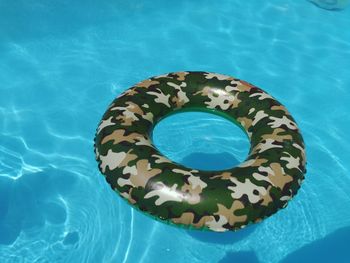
x=240, y=256
x=331, y=248
x=210, y=161
x=229, y=237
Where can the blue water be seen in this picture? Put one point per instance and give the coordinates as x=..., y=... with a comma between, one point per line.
x=63, y=62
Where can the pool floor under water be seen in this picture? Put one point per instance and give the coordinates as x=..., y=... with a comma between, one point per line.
x=63, y=62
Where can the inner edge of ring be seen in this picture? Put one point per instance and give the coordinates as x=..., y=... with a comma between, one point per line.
x=199, y=109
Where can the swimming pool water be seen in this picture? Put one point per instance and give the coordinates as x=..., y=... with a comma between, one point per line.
x=63, y=62
x=222, y=146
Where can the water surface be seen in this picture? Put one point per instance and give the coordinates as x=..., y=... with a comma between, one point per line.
x=63, y=62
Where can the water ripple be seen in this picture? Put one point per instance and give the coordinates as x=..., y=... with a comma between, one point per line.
x=63, y=63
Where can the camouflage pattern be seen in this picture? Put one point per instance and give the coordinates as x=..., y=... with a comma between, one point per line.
x=214, y=200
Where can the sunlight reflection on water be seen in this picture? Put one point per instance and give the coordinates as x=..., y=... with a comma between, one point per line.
x=63, y=63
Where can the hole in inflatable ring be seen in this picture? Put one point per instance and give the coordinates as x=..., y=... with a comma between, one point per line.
x=201, y=140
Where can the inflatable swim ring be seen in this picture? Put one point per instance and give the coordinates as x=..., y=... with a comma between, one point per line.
x=214, y=200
